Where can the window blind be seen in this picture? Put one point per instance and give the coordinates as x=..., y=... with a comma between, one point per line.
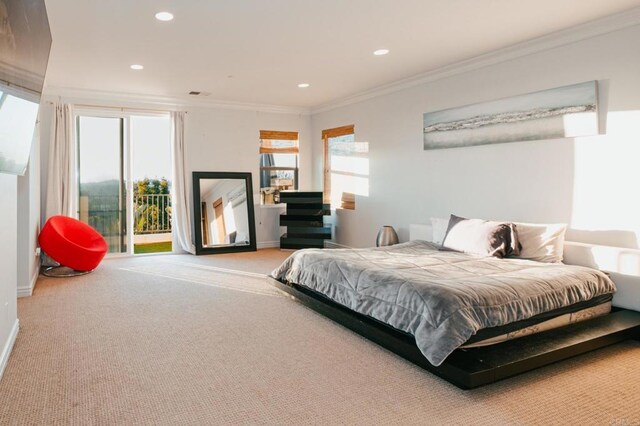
x=277, y=142
x=338, y=131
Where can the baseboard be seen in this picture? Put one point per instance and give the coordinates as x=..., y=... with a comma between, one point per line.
x=8, y=347
x=28, y=291
x=267, y=244
x=332, y=244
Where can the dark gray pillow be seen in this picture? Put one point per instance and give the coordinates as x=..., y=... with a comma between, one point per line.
x=482, y=237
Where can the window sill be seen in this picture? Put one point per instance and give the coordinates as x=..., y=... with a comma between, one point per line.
x=271, y=206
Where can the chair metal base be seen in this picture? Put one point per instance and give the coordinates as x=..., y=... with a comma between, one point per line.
x=62, y=272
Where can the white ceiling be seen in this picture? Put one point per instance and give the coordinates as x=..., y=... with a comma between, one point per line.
x=268, y=46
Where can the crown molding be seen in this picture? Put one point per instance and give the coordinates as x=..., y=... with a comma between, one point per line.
x=124, y=99
x=553, y=40
x=27, y=79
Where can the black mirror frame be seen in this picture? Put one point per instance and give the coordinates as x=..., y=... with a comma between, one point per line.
x=198, y=215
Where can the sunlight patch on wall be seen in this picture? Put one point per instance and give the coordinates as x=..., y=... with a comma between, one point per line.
x=580, y=124
x=349, y=170
x=606, y=177
x=230, y=218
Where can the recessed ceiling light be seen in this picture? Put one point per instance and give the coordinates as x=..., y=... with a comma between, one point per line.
x=381, y=52
x=164, y=16
x=303, y=85
x=137, y=67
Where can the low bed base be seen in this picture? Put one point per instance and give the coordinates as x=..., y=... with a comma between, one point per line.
x=471, y=368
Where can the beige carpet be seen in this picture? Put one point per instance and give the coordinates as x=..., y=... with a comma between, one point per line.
x=184, y=340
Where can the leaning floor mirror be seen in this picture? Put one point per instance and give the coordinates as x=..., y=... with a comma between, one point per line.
x=223, y=212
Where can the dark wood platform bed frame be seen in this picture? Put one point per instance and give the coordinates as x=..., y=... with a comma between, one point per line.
x=471, y=368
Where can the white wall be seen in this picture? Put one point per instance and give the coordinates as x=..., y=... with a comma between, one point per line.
x=29, y=221
x=19, y=228
x=590, y=183
x=8, y=264
x=227, y=140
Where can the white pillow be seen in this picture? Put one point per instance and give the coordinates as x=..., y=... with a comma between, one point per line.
x=481, y=237
x=439, y=227
x=541, y=242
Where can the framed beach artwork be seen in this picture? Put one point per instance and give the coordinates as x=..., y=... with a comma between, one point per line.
x=563, y=112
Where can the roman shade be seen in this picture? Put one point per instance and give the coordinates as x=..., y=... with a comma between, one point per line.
x=278, y=142
x=338, y=131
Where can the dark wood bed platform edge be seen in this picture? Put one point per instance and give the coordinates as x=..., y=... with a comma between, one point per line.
x=471, y=368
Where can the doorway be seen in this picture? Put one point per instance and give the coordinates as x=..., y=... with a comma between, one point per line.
x=218, y=215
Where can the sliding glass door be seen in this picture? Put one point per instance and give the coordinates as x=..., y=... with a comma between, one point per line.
x=124, y=179
x=101, y=172
x=151, y=178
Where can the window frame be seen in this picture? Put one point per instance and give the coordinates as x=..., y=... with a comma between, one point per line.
x=326, y=169
x=294, y=150
x=125, y=115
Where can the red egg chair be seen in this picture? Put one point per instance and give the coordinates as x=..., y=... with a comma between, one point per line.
x=73, y=244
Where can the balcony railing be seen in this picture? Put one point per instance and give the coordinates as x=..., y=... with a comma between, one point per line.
x=152, y=213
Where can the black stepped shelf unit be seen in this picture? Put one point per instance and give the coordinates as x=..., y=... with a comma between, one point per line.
x=304, y=220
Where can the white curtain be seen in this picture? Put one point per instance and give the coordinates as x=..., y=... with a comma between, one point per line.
x=61, y=187
x=180, y=210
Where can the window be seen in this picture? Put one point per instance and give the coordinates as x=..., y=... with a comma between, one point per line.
x=278, y=164
x=346, y=167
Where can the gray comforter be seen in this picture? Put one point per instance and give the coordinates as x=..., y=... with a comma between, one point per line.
x=441, y=298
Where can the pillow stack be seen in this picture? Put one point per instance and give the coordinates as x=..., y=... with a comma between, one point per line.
x=481, y=237
x=539, y=242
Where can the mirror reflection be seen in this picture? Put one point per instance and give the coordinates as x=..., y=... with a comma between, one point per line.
x=224, y=212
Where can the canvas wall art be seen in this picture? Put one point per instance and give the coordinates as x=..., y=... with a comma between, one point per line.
x=563, y=112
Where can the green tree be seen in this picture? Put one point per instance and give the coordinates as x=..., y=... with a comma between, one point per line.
x=152, y=205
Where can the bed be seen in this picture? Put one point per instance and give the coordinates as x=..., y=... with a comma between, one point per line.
x=470, y=319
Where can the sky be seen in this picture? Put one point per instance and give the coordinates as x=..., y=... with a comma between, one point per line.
x=99, y=140
x=151, y=139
